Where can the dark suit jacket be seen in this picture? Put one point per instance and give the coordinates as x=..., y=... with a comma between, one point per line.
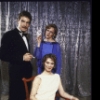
x=12, y=47
x=12, y=50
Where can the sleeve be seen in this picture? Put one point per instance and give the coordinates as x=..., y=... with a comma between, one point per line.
x=7, y=50
x=59, y=59
x=37, y=52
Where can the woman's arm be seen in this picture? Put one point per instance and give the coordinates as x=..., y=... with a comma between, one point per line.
x=37, y=51
x=65, y=94
x=59, y=59
x=35, y=86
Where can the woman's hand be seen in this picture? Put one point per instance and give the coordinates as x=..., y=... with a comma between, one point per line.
x=39, y=39
x=74, y=98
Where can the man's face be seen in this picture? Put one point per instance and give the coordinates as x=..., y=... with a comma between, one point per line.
x=23, y=23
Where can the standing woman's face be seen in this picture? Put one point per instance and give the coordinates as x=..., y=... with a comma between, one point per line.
x=48, y=65
x=49, y=34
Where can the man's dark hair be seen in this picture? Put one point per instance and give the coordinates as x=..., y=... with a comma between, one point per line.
x=26, y=14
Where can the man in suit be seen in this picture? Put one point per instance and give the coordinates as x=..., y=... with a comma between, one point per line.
x=15, y=50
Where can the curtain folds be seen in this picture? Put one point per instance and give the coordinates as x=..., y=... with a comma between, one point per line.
x=73, y=20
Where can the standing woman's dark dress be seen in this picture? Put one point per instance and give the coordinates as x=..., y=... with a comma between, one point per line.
x=46, y=48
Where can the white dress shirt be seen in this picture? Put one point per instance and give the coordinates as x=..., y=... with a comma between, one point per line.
x=24, y=38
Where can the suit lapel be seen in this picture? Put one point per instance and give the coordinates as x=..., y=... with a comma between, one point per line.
x=21, y=41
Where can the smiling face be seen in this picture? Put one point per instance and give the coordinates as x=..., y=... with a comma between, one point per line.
x=51, y=31
x=23, y=23
x=48, y=65
x=49, y=34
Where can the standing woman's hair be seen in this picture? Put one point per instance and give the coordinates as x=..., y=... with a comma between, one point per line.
x=55, y=28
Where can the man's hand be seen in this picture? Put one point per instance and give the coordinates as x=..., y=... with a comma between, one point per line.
x=27, y=57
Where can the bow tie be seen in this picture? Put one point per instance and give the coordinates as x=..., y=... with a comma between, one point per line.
x=24, y=34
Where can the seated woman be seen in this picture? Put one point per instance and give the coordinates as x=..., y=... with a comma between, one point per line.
x=46, y=84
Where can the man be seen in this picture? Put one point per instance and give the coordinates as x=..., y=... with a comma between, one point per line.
x=15, y=50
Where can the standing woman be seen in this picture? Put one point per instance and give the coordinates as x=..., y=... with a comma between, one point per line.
x=48, y=45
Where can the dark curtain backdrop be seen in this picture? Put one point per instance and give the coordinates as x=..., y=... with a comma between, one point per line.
x=74, y=35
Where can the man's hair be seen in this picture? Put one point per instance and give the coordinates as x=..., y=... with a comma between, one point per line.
x=26, y=14
x=55, y=28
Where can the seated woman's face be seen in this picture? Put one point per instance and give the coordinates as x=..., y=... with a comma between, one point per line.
x=48, y=65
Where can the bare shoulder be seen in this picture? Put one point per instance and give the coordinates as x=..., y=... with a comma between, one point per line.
x=37, y=79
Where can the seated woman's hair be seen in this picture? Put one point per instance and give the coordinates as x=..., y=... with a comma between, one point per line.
x=51, y=56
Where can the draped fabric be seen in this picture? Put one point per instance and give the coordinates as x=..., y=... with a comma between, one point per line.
x=73, y=20
x=45, y=48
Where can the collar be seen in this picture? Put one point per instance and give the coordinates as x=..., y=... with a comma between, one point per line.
x=20, y=32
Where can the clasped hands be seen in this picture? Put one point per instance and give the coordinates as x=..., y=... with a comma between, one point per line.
x=27, y=57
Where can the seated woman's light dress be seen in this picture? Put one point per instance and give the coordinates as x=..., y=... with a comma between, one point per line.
x=48, y=87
